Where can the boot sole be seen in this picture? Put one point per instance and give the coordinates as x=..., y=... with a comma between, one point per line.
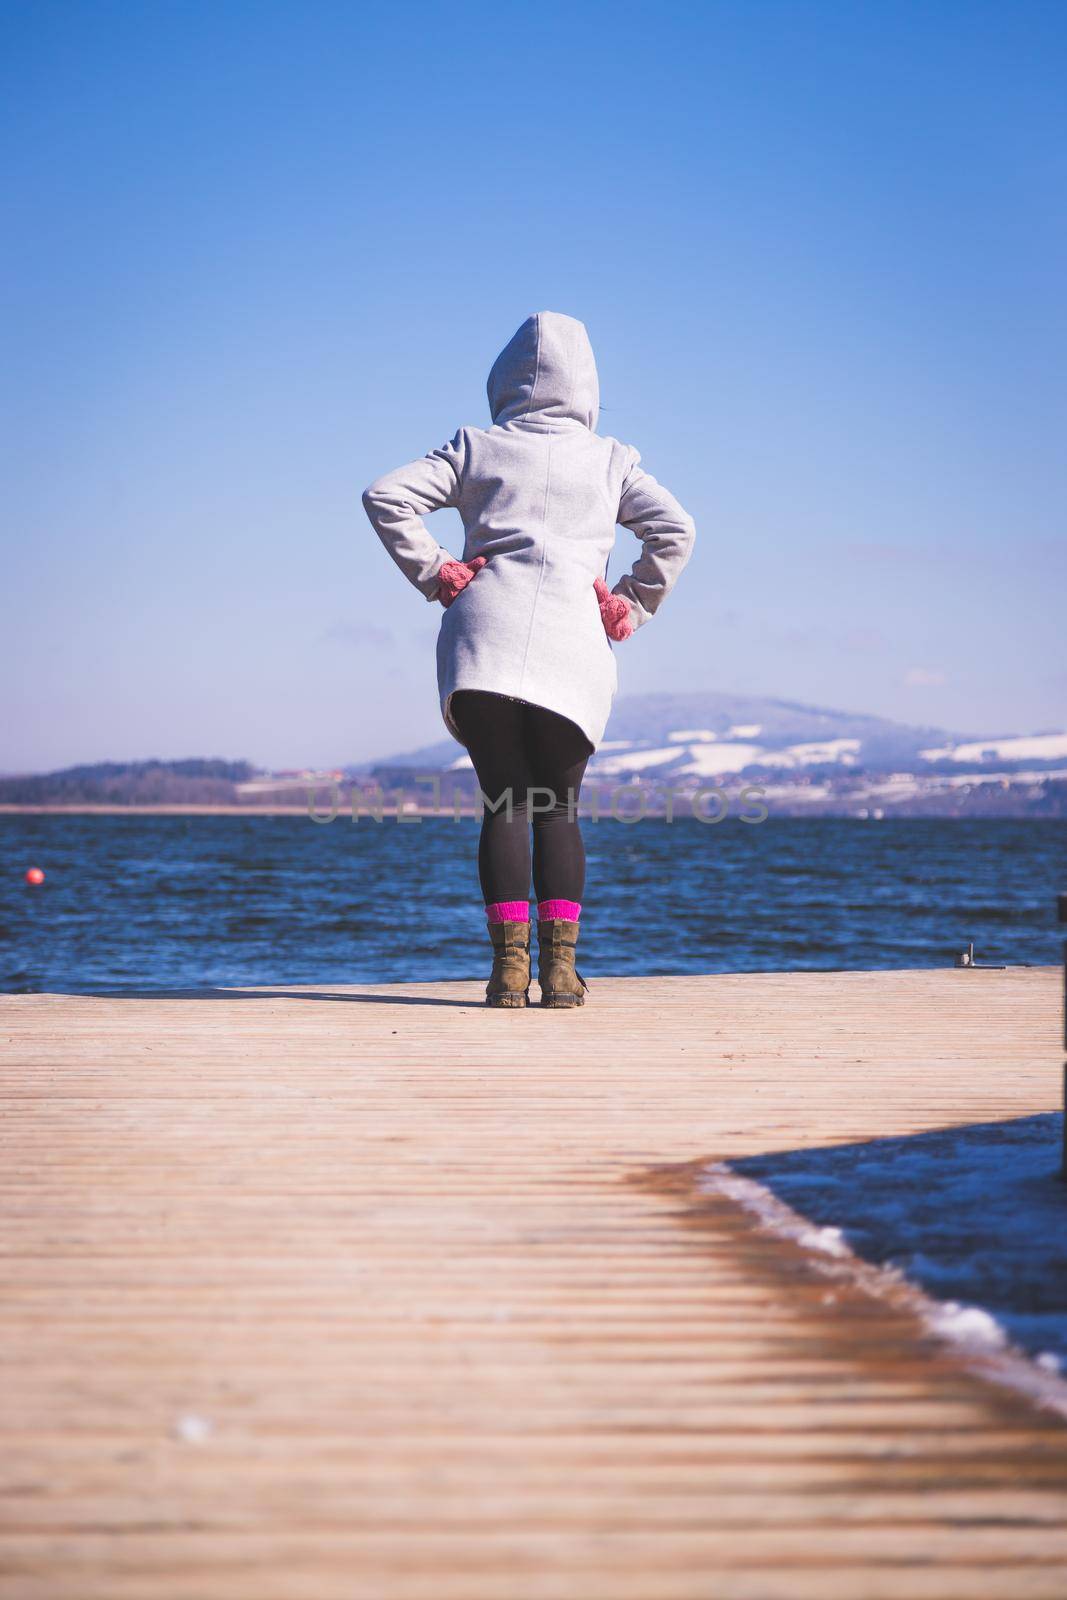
x=562, y=1002
x=507, y=1002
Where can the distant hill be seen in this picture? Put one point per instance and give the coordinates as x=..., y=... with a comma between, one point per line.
x=704, y=732
x=810, y=759
x=192, y=782
x=774, y=723
x=643, y=721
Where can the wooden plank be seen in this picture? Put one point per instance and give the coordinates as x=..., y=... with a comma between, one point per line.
x=375, y=1292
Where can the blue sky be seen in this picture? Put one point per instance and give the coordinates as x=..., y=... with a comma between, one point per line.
x=262, y=252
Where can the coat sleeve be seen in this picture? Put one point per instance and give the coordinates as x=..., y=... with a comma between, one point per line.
x=666, y=533
x=397, y=502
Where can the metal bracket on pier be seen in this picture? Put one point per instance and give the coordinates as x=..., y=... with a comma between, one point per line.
x=966, y=959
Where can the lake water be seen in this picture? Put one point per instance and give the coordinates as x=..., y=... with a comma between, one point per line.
x=131, y=901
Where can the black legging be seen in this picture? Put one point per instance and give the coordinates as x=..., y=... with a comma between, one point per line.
x=540, y=758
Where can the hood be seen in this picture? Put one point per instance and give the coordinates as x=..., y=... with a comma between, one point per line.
x=546, y=372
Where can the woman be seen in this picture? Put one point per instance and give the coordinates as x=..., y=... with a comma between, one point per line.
x=525, y=671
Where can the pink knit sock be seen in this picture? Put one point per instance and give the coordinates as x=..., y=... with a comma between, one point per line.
x=563, y=910
x=508, y=911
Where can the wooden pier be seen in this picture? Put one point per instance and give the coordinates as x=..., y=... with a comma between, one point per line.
x=375, y=1294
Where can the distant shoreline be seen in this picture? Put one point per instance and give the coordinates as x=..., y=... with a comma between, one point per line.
x=87, y=809
x=417, y=813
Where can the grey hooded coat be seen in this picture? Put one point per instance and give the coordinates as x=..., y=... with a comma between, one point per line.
x=540, y=493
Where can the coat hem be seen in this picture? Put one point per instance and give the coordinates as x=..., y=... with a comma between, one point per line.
x=446, y=711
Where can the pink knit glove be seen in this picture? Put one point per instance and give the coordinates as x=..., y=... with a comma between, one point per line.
x=614, y=612
x=454, y=577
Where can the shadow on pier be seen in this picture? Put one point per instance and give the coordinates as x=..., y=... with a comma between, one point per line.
x=388, y=996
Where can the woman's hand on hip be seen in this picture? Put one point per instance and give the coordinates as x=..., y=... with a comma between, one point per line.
x=614, y=612
x=454, y=577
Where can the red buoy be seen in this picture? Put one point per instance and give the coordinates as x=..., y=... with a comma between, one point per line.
x=34, y=875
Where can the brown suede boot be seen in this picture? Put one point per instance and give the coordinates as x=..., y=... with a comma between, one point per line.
x=509, y=981
x=561, y=982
